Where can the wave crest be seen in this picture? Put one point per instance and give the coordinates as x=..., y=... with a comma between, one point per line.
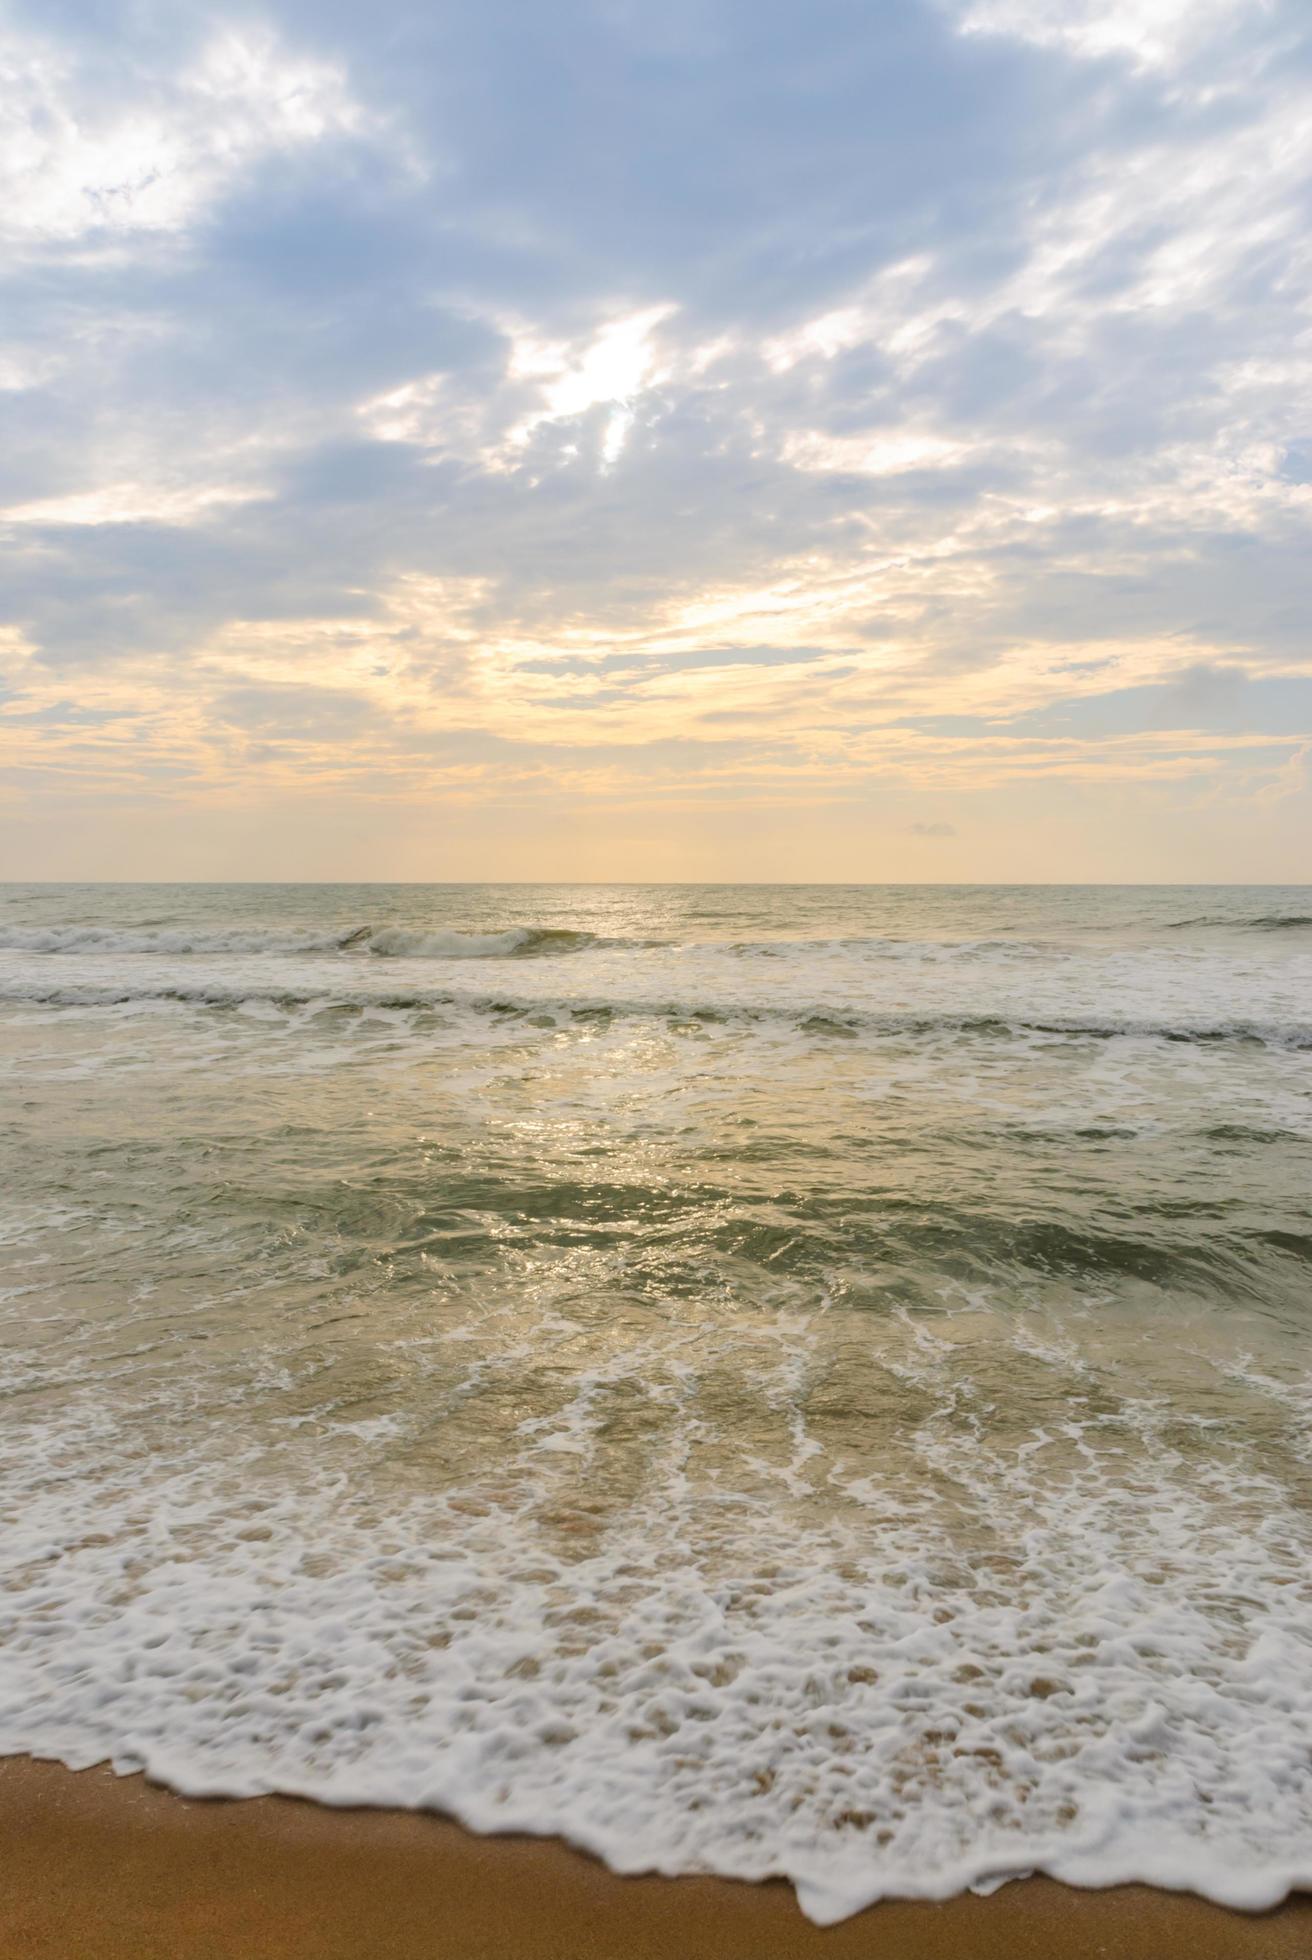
x=387, y=942
x=519, y=942
x=816, y=1022
x=1263, y=922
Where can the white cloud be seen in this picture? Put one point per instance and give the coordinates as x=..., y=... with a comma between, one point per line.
x=1151, y=33
x=612, y=368
x=76, y=158
x=130, y=503
x=890, y=454
x=893, y=454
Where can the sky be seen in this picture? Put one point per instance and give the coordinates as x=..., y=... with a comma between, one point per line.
x=851, y=439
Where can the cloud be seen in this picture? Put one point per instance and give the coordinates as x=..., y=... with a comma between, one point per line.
x=81, y=160
x=770, y=404
x=932, y=829
x=1150, y=34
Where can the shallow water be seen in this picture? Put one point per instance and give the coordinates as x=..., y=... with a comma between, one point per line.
x=774, y=1380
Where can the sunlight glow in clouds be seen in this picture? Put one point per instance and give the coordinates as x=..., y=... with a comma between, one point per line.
x=110, y=165
x=612, y=369
x=859, y=441
x=1153, y=33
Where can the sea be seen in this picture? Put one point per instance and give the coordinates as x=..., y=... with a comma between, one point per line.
x=807, y=1381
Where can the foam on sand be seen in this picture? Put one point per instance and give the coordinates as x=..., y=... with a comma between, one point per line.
x=1103, y=1671
x=804, y=1383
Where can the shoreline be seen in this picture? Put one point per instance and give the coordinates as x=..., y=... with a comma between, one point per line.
x=113, y=1866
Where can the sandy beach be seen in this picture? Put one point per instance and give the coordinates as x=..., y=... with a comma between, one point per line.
x=655, y=980
x=94, y=1864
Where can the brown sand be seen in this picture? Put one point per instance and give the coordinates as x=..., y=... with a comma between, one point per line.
x=104, y=1868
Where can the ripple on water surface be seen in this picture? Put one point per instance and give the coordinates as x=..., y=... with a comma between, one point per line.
x=807, y=1382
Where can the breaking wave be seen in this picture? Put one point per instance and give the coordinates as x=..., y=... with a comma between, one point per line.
x=520, y=942
x=1264, y=922
x=387, y=942
x=810, y=1019
x=815, y=1387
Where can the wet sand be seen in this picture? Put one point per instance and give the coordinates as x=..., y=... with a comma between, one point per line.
x=107, y=1867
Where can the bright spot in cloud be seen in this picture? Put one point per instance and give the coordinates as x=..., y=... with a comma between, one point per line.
x=615, y=366
x=1152, y=33
x=130, y=503
x=884, y=433
x=74, y=160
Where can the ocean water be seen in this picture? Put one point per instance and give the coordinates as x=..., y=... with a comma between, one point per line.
x=805, y=1380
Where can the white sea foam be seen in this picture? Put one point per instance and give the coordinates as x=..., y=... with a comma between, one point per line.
x=1119, y=1686
x=396, y=942
x=839, y=985
x=317, y=991
x=815, y=1386
x=73, y=940
x=393, y=942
